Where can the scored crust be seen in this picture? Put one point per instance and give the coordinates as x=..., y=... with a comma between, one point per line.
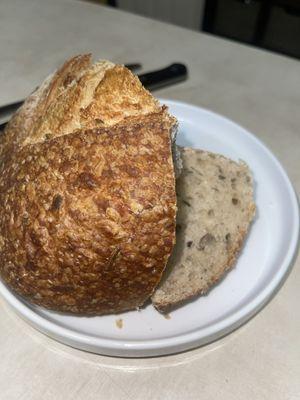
x=88, y=204
x=80, y=95
x=215, y=209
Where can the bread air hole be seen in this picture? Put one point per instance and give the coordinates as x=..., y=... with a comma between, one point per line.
x=206, y=240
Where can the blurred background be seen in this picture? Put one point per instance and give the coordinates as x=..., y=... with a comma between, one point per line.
x=270, y=24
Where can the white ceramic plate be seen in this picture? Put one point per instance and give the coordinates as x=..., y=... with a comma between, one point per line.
x=261, y=268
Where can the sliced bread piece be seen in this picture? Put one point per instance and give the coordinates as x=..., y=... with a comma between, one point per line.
x=215, y=209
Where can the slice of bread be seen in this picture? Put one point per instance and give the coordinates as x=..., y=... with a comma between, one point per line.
x=215, y=209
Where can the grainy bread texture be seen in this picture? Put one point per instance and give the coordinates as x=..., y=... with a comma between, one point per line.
x=87, y=191
x=215, y=209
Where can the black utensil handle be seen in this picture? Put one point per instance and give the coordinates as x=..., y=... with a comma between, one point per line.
x=2, y=126
x=133, y=66
x=163, y=77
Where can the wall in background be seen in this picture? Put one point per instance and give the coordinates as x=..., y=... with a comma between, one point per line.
x=186, y=13
x=270, y=24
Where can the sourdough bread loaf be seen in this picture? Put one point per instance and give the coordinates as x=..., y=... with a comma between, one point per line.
x=215, y=209
x=87, y=191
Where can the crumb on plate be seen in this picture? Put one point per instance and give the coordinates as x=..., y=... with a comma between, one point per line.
x=119, y=323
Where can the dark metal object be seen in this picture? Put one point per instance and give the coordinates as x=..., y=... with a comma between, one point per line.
x=174, y=73
x=2, y=126
x=133, y=66
x=10, y=107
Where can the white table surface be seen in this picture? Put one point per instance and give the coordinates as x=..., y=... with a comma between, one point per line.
x=257, y=89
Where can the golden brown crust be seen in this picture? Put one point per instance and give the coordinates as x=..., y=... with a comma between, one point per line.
x=24, y=123
x=79, y=96
x=87, y=219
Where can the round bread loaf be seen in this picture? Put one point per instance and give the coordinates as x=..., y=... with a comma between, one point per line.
x=87, y=191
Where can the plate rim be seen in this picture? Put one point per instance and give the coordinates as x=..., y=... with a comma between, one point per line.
x=185, y=341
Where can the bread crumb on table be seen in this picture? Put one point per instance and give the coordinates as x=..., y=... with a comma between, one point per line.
x=119, y=323
x=167, y=316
